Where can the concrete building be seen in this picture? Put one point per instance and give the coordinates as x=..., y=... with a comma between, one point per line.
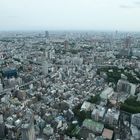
x=2, y=127
x=136, y=52
x=135, y=132
x=47, y=34
x=28, y=132
x=135, y=120
x=1, y=87
x=98, y=113
x=93, y=126
x=48, y=130
x=126, y=87
x=112, y=117
x=107, y=93
x=107, y=134
x=123, y=86
x=45, y=67
x=86, y=106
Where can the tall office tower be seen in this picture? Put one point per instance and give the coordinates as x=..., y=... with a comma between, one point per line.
x=116, y=32
x=127, y=42
x=97, y=116
x=47, y=37
x=46, y=54
x=45, y=67
x=126, y=49
x=28, y=132
x=124, y=86
x=1, y=87
x=110, y=119
x=2, y=127
x=47, y=34
x=66, y=43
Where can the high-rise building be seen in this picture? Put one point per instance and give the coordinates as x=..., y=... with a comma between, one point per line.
x=1, y=87
x=2, y=127
x=127, y=42
x=123, y=86
x=47, y=34
x=45, y=67
x=98, y=113
x=66, y=43
x=112, y=117
x=28, y=132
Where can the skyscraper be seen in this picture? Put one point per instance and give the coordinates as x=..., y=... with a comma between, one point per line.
x=2, y=127
x=47, y=34
x=28, y=132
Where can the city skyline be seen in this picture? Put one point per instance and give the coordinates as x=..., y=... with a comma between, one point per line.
x=122, y=15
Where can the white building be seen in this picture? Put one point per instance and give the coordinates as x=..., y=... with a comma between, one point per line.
x=107, y=93
x=45, y=67
x=86, y=106
x=98, y=113
x=112, y=117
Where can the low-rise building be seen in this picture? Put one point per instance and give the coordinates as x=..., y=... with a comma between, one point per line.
x=107, y=134
x=86, y=106
x=135, y=119
x=95, y=127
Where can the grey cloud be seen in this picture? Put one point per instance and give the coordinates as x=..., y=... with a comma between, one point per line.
x=126, y=6
x=2, y=16
x=12, y=16
x=137, y=2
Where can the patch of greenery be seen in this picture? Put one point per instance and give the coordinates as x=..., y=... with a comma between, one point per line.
x=73, y=131
x=81, y=115
x=131, y=105
x=70, y=129
x=115, y=74
x=109, y=127
x=73, y=51
x=94, y=99
x=112, y=76
x=132, y=79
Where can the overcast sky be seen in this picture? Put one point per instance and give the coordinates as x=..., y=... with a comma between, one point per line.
x=70, y=15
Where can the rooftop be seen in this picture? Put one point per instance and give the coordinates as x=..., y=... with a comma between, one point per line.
x=107, y=93
x=92, y=125
x=107, y=133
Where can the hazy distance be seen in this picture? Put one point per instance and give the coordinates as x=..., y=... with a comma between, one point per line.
x=123, y=15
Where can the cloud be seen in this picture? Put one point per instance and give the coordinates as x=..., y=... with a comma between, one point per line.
x=12, y=16
x=137, y=2
x=134, y=4
x=8, y=16
x=126, y=6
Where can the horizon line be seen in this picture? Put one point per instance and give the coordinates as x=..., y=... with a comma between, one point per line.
x=67, y=30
